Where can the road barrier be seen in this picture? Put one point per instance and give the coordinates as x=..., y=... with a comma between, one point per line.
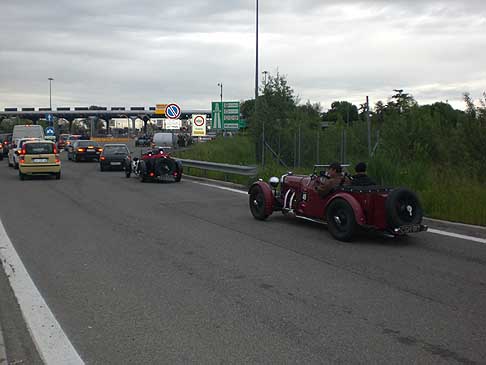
x=111, y=139
x=249, y=171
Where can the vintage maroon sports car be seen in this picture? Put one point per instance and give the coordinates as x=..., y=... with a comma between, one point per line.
x=156, y=164
x=345, y=210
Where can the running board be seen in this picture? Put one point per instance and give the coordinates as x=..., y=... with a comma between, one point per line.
x=311, y=220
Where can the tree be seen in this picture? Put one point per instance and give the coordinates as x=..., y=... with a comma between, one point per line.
x=347, y=111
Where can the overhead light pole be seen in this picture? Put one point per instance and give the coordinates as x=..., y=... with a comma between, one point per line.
x=220, y=84
x=50, y=93
x=256, y=85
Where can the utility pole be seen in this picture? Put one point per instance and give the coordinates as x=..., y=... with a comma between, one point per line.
x=220, y=84
x=369, y=124
x=256, y=86
x=50, y=93
x=265, y=73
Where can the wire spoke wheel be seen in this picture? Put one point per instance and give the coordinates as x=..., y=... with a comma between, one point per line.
x=257, y=203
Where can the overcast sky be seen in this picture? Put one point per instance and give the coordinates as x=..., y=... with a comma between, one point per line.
x=139, y=53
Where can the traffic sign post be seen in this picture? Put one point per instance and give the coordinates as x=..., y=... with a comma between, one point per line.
x=50, y=119
x=172, y=111
x=49, y=131
x=226, y=116
x=198, y=125
x=160, y=109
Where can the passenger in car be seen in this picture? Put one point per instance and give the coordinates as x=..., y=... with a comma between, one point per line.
x=361, y=178
x=335, y=178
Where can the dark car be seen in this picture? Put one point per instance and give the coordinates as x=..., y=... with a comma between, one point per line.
x=114, y=156
x=5, y=141
x=155, y=165
x=61, y=143
x=345, y=209
x=70, y=140
x=142, y=141
x=84, y=150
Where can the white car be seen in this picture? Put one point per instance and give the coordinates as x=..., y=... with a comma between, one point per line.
x=14, y=152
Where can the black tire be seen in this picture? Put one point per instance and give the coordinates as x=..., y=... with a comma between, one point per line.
x=16, y=166
x=21, y=176
x=142, y=172
x=1, y=156
x=102, y=168
x=257, y=203
x=341, y=220
x=403, y=208
x=58, y=176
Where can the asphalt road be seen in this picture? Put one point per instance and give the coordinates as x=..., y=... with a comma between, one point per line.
x=181, y=273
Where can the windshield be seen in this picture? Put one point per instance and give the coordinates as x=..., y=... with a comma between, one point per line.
x=38, y=148
x=115, y=150
x=87, y=144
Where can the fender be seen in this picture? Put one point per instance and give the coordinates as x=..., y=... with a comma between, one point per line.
x=358, y=210
x=267, y=193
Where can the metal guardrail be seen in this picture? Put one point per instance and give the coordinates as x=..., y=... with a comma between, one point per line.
x=221, y=167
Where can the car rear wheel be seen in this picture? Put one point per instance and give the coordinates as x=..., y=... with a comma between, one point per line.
x=257, y=203
x=102, y=168
x=16, y=165
x=341, y=220
x=21, y=176
x=58, y=176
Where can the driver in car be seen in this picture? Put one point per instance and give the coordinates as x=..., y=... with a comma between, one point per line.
x=334, y=178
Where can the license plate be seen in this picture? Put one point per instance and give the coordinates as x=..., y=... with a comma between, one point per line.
x=115, y=163
x=39, y=160
x=411, y=229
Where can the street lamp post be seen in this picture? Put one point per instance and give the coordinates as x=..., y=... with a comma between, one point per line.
x=50, y=94
x=51, y=122
x=220, y=84
x=256, y=85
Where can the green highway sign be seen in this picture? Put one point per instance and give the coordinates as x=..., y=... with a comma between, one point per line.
x=226, y=117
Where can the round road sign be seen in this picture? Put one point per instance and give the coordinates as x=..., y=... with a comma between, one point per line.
x=199, y=121
x=172, y=111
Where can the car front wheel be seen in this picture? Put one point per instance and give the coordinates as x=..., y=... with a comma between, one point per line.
x=257, y=203
x=341, y=220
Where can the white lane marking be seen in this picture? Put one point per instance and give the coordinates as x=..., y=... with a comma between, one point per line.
x=457, y=235
x=3, y=355
x=431, y=230
x=221, y=187
x=50, y=340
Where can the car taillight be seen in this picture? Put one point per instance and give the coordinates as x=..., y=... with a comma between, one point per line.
x=100, y=149
x=58, y=160
x=80, y=149
x=152, y=174
x=102, y=158
x=23, y=151
x=55, y=150
x=175, y=173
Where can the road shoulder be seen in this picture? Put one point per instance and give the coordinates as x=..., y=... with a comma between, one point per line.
x=19, y=346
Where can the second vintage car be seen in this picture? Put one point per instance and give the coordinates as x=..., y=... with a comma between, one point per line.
x=155, y=165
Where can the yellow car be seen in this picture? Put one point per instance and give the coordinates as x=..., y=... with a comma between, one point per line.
x=39, y=158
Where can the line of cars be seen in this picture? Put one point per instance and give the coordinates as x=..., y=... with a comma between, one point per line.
x=32, y=154
x=28, y=151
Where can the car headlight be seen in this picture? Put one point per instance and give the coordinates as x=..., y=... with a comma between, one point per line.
x=274, y=181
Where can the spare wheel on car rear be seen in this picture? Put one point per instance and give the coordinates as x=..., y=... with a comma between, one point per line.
x=403, y=208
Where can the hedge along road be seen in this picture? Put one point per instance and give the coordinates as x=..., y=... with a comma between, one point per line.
x=150, y=273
